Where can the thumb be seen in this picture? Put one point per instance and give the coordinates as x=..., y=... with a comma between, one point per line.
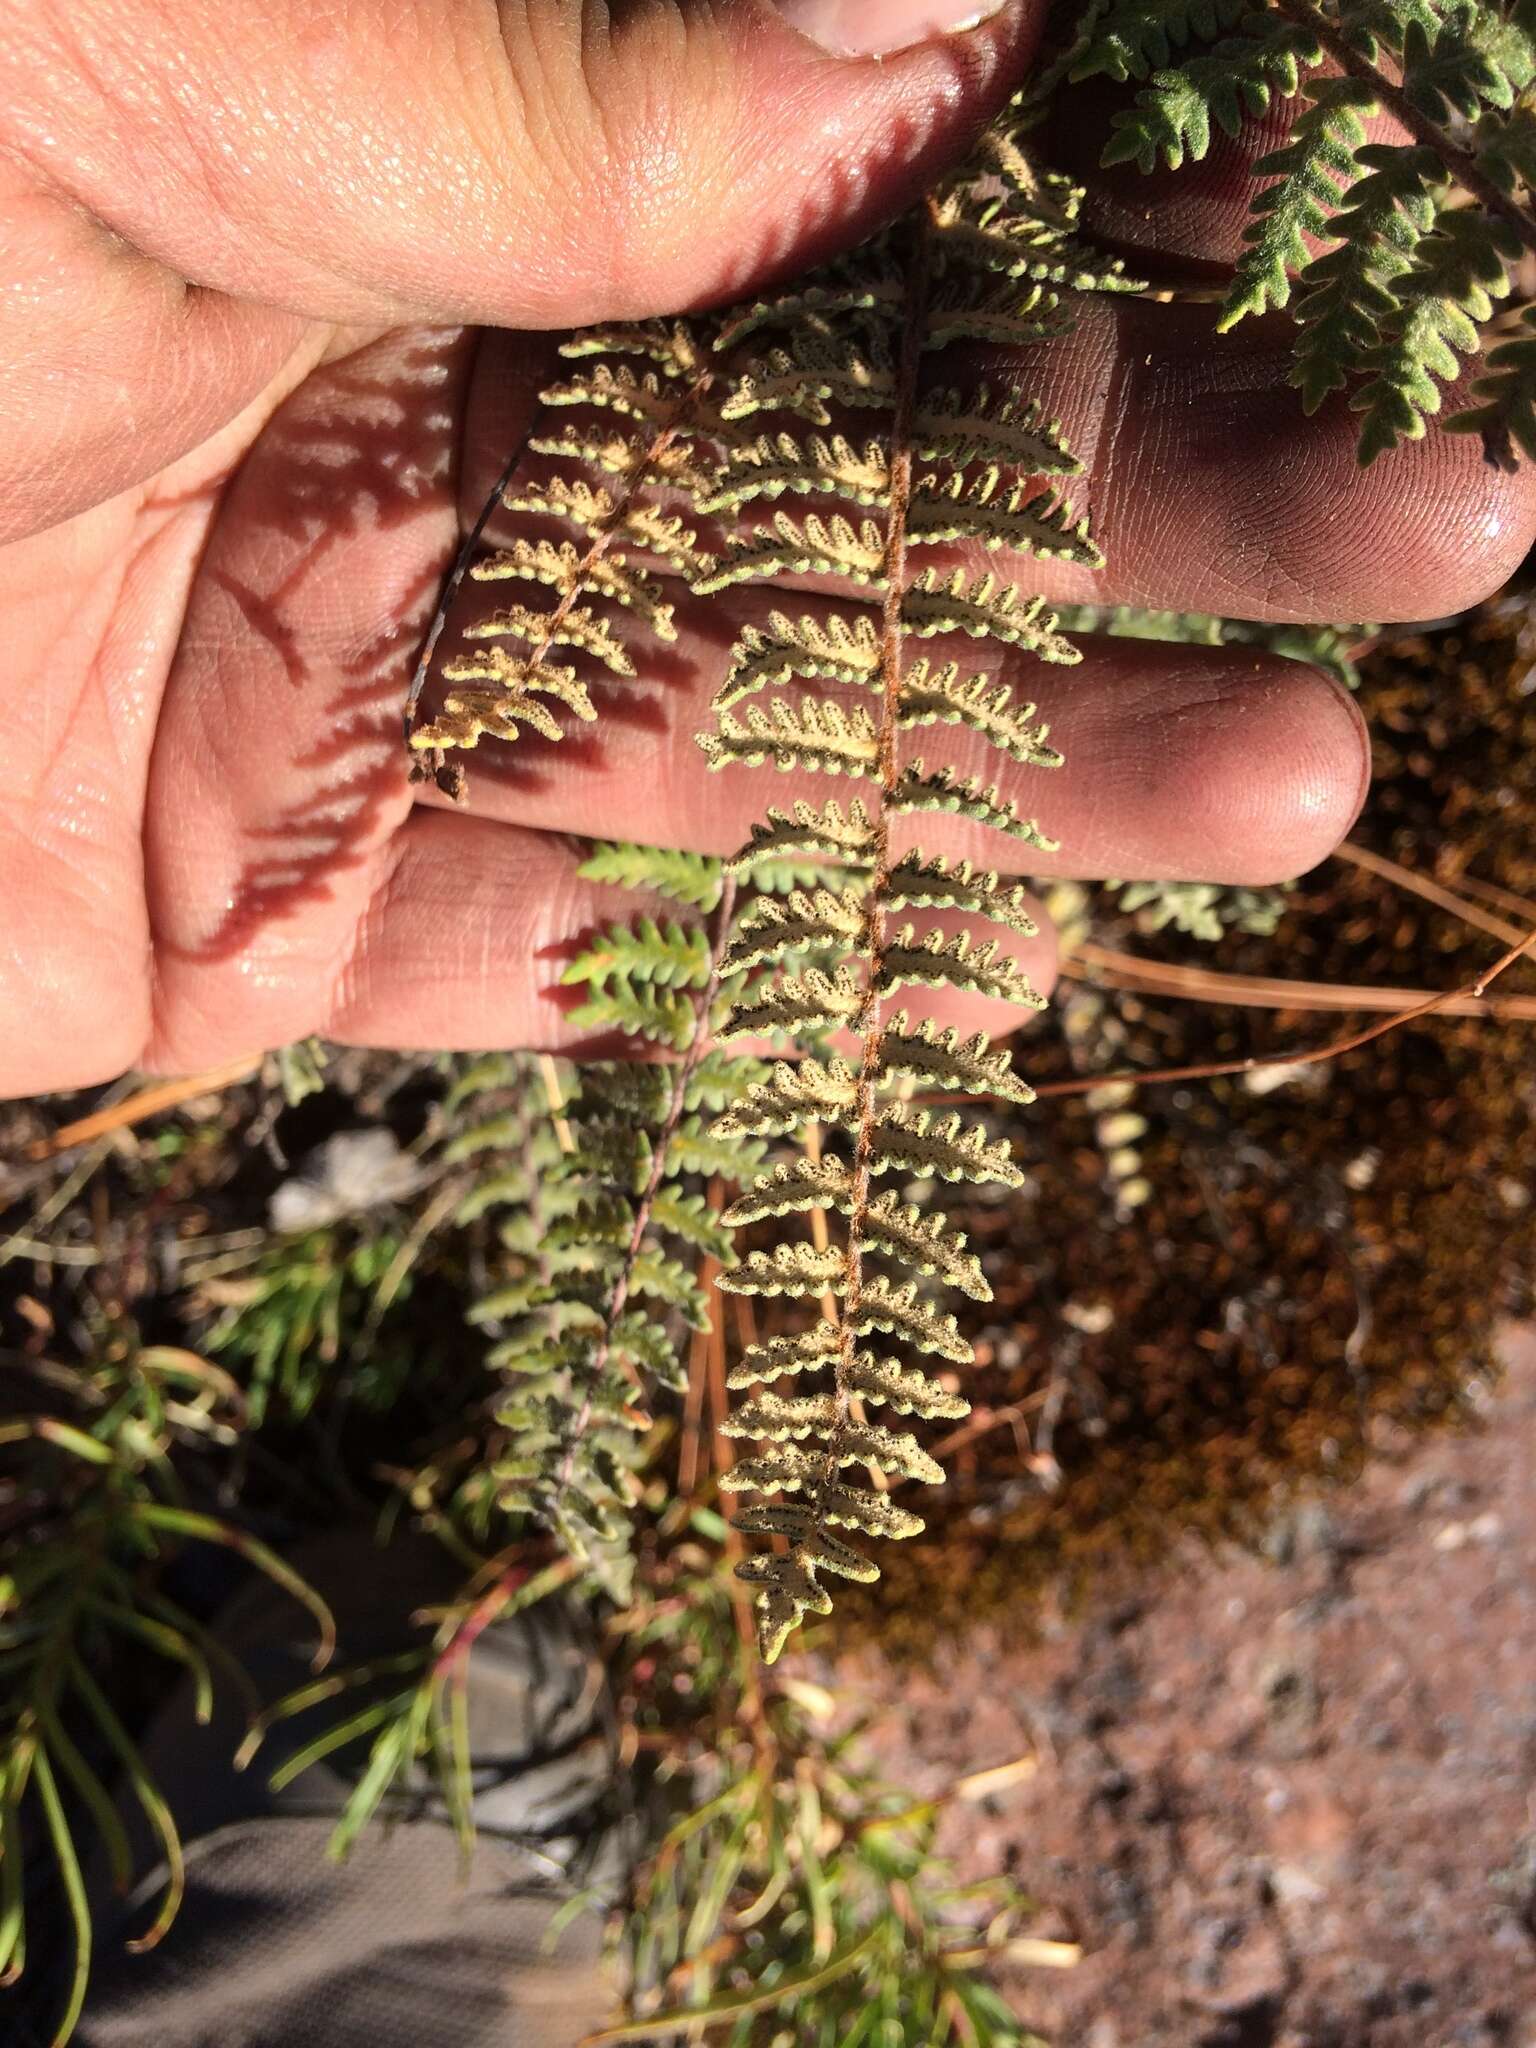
x=539, y=163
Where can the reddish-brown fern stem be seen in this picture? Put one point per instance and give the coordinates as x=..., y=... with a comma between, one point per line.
x=676, y=420
x=869, y=1022
x=1461, y=163
x=450, y=589
x=682, y=1074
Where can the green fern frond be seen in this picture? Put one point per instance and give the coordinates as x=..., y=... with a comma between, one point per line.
x=668, y=955
x=1310, y=174
x=669, y=1280
x=694, y=879
x=691, y=1219
x=1505, y=416
x=1446, y=292
x=1132, y=38
x=1469, y=59
x=664, y=1016
x=1174, y=116
x=1348, y=294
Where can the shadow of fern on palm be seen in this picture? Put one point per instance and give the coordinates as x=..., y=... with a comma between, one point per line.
x=367, y=447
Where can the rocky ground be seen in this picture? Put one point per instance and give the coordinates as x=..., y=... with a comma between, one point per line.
x=1283, y=1801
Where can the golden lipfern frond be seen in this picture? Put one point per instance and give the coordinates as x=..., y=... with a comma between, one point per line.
x=566, y=569
x=930, y=882
x=942, y=696
x=671, y=344
x=835, y=649
x=807, y=1002
x=588, y=506
x=947, y=464
x=809, y=1091
x=787, y=1269
x=937, y=960
x=901, y=1312
x=819, y=737
x=924, y=1144
x=630, y=456
x=511, y=694
x=885, y=1382
x=628, y=453
x=943, y=790
x=811, y=546
x=791, y=1187
x=942, y=1060
x=808, y=830
x=852, y=288
x=812, y=370
x=819, y=431
x=1007, y=316
x=899, y=1230
x=809, y=1351
x=580, y=628
x=985, y=508
x=984, y=610
x=778, y=463
x=771, y=929
x=978, y=426
x=615, y=387
x=665, y=536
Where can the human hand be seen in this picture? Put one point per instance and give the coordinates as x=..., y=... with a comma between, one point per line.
x=245, y=411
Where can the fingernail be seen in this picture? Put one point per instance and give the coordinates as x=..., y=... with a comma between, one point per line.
x=879, y=28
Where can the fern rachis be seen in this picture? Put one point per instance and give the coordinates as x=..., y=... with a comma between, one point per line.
x=932, y=473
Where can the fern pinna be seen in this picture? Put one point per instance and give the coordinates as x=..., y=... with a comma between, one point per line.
x=595, y=1180
x=1394, y=255
x=631, y=428
x=899, y=511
